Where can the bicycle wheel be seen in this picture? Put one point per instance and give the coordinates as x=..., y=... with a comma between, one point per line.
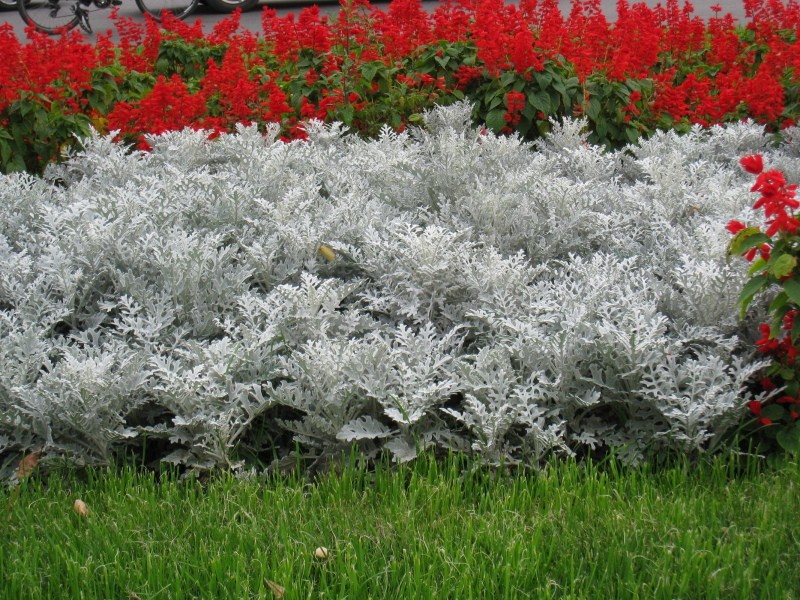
x=156, y=8
x=50, y=16
x=228, y=6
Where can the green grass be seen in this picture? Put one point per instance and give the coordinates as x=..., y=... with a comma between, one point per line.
x=432, y=530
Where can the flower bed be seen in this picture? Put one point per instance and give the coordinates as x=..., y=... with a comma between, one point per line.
x=242, y=298
x=519, y=65
x=260, y=283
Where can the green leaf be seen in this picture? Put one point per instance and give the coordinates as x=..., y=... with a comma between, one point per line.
x=594, y=109
x=494, y=100
x=561, y=87
x=758, y=265
x=747, y=238
x=544, y=79
x=369, y=70
x=779, y=302
x=541, y=101
x=783, y=265
x=507, y=78
x=495, y=119
x=347, y=113
x=16, y=164
x=778, y=313
x=792, y=289
x=601, y=128
x=543, y=127
x=773, y=412
x=755, y=285
x=789, y=438
x=529, y=112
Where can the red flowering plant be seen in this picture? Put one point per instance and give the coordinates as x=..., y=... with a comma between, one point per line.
x=518, y=64
x=773, y=252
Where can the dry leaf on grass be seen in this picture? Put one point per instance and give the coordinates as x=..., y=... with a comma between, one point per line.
x=79, y=506
x=28, y=464
x=278, y=590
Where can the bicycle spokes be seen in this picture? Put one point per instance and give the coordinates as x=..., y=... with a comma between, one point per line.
x=156, y=8
x=58, y=16
x=52, y=16
x=84, y=20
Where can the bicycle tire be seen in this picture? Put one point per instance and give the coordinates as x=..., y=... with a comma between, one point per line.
x=228, y=6
x=180, y=9
x=49, y=16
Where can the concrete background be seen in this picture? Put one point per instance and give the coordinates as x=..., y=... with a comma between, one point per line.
x=251, y=20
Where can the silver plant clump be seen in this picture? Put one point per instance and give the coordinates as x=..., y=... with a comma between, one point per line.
x=440, y=288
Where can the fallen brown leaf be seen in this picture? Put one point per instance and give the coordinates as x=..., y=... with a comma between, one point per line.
x=79, y=506
x=28, y=464
x=278, y=590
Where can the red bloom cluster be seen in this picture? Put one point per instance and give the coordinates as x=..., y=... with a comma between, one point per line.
x=777, y=197
x=670, y=67
x=504, y=40
x=403, y=29
x=515, y=103
x=288, y=39
x=29, y=69
x=756, y=407
x=168, y=107
x=779, y=261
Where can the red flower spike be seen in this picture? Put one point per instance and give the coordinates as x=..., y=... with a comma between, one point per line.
x=766, y=343
x=788, y=400
x=752, y=164
x=755, y=407
x=769, y=183
x=765, y=421
x=767, y=384
x=735, y=227
x=782, y=223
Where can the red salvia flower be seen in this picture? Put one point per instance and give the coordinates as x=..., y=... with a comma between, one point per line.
x=735, y=227
x=753, y=164
x=755, y=407
x=766, y=343
x=767, y=384
x=788, y=400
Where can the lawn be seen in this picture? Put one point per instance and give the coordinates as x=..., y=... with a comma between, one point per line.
x=435, y=529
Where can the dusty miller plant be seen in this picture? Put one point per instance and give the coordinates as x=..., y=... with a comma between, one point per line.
x=444, y=288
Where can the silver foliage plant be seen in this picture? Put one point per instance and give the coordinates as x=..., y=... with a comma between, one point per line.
x=489, y=296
